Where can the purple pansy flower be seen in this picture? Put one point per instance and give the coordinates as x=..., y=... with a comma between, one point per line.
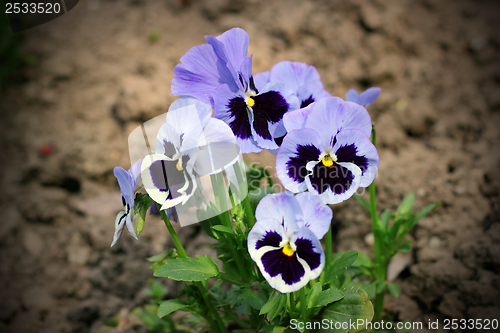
x=183, y=152
x=284, y=241
x=220, y=73
x=366, y=98
x=127, y=181
x=301, y=78
x=328, y=150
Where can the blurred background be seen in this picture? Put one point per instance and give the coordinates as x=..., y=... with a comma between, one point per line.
x=74, y=88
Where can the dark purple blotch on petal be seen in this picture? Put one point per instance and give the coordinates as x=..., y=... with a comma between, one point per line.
x=169, y=148
x=307, y=101
x=166, y=176
x=240, y=124
x=272, y=238
x=305, y=251
x=276, y=262
x=335, y=177
x=296, y=166
x=348, y=153
x=269, y=108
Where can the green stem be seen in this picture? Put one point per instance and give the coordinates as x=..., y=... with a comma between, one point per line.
x=173, y=234
x=218, y=325
x=380, y=259
x=328, y=255
x=291, y=300
x=303, y=305
x=232, y=281
x=250, y=217
x=220, y=198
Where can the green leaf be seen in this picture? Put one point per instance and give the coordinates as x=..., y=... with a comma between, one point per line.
x=189, y=269
x=223, y=228
x=313, y=294
x=273, y=329
x=363, y=260
x=274, y=305
x=341, y=264
x=406, y=207
x=384, y=219
x=406, y=246
x=424, y=211
x=362, y=201
x=170, y=306
x=328, y=296
x=394, y=289
x=353, y=307
x=255, y=299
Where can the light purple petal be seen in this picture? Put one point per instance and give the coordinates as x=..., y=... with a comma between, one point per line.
x=119, y=224
x=282, y=207
x=130, y=226
x=352, y=96
x=316, y=215
x=296, y=119
x=310, y=93
x=261, y=79
x=124, y=179
x=259, y=231
x=295, y=74
x=329, y=115
x=368, y=96
x=197, y=74
x=364, y=149
x=134, y=173
x=290, y=165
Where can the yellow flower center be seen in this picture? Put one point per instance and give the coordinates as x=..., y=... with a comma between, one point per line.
x=250, y=101
x=328, y=160
x=287, y=250
x=178, y=166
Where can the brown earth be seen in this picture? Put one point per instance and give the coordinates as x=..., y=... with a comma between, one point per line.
x=99, y=77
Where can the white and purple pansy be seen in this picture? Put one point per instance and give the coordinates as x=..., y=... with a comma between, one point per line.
x=127, y=180
x=284, y=242
x=182, y=152
x=328, y=150
x=366, y=98
x=221, y=73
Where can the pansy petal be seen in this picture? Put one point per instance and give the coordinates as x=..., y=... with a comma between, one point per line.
x=336, y=183
x=329, y=115
x=298, y=148
x=310, y=93
x=216, y=131
x=184, y=107
x=296, y=119
x=355, y=147
x=167, y=181
x=315, y=214
x=124, y=181
x=120, y=221
x=352, y=96
x=309, y=251
x=282, y=207
x=197, y=74
x=266, y=234
x=295, y=74
x=130, y=226
x=246, y=74
x=135, y=172
x=231, y=49
x=261, y=79
x=368, y=96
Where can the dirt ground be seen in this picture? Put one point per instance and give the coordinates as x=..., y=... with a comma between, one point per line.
x=99, y=76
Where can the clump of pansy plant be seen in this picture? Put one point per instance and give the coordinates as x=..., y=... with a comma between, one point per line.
x=273, y=272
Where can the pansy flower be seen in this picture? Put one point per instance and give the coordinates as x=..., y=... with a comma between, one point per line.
x=284, y=242
x=183, y=152
x=302, y=79
x=366, y=98
x=328, y=150
x=127, y=180
x=220, y=73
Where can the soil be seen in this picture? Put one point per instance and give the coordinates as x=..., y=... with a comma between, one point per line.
x=65, y=124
